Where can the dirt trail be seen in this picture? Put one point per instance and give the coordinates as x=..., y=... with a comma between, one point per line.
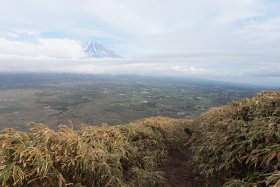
x=179, y=171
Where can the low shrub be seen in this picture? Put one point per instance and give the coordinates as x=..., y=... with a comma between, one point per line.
x=239, y=144
x=124, y=155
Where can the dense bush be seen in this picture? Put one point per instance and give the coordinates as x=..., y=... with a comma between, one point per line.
x=126, y=155
x=239, y=144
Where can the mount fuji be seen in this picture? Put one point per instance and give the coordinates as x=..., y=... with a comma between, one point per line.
x=94, y=49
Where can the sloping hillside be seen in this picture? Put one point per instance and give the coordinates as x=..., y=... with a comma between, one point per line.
x=125, y=155
x=239, y=144
x=236, y=145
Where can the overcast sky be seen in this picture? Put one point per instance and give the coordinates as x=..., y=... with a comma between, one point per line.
x=215, y=39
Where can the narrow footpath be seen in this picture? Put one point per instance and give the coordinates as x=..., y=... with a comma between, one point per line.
x=179, y=171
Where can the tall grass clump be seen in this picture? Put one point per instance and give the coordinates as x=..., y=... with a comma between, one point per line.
x=239, y=144
x=152, y=139
x=90, y=157
x=125, y=155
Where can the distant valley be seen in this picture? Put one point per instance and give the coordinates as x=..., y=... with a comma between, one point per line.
x=56, y=99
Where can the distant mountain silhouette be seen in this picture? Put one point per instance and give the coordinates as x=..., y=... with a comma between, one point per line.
x=95, y=49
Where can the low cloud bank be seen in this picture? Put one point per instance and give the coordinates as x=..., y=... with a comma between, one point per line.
x=207, y=68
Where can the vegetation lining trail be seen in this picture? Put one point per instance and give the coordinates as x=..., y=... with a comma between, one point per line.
x=125, y=155
x=237, y=145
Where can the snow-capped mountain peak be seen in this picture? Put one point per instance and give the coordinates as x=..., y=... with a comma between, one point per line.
x=95, y=49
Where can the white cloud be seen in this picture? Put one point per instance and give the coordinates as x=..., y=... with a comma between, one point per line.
x=273, y=71
x=191, y=69
x=211, y=38
x=26, y=32
x=137, y=28
x=152, y=67
x=9, y=34
x=60, y=48
x=230, y=11
x=263, y=31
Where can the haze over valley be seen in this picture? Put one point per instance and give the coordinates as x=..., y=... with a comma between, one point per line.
x=58, y=99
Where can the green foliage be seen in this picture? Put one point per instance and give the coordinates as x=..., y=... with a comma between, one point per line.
x=239, y=144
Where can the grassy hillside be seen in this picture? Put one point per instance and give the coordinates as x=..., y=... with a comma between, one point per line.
x=125, y=155
x=236, y=145
x=239, y=144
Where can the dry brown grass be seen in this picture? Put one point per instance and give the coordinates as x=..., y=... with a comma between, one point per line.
x=239, y=144
x=125, y=155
